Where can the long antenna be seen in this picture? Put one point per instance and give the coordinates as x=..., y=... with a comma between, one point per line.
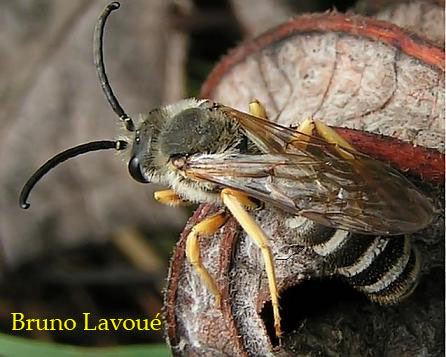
x=98, y=54
x=63, y=156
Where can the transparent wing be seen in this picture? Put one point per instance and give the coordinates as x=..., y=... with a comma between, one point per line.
x=308, y=176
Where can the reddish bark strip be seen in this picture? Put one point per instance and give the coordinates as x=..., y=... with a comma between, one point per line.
x=428, y=164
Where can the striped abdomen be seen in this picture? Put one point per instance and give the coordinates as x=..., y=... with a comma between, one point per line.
x=386, y=269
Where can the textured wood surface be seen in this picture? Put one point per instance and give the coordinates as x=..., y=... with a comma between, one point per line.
x=350, y=72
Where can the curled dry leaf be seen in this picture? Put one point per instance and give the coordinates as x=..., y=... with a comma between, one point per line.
x=53, y=100
x=351, y=72
x=425, y=17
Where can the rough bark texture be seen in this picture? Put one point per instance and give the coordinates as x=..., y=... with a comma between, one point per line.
x=51, y=100
x=351, y=72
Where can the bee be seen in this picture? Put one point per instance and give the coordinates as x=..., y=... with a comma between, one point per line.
x=208, y=152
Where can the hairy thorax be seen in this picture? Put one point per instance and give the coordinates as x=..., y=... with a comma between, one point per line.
x=179, y=131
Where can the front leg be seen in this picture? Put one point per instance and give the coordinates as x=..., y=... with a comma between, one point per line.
x=170, y=198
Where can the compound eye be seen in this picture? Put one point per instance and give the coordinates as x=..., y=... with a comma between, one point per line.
x=135, y=170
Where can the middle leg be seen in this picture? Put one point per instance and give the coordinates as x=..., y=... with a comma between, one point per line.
x=233, y=200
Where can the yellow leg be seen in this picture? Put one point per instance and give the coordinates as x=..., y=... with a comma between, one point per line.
x=333, y=137
x=257, y=109
x=328, y=134
x=205, y=228
x=304, y=133
x=169, y=197
x=233, y=201
x=307, y=127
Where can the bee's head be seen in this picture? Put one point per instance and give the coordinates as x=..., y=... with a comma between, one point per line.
x=140, y=153
x=139, y=141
